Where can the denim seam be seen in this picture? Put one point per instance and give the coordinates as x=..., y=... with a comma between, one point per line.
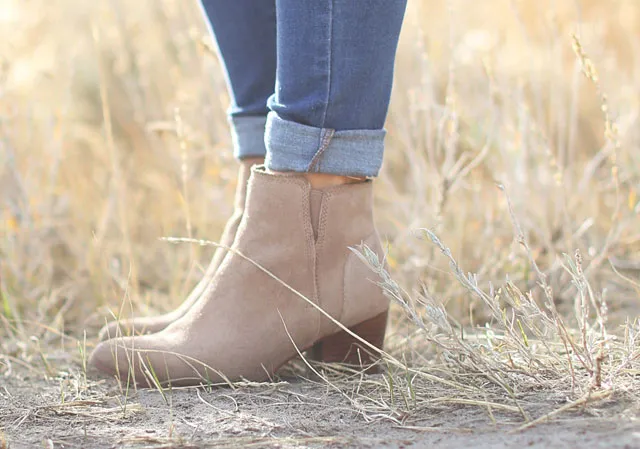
x=325, y=134
x=325, y=140
x=330, y=65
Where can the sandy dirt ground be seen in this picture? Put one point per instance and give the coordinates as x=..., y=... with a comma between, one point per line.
x=292, y=413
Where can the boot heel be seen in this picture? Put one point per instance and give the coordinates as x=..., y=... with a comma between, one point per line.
x=343, y=348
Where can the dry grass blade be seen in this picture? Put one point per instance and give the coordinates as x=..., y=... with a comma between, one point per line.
x=587, y=398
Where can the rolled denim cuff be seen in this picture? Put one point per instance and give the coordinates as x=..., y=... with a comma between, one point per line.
x=248, y=136
x=300, y=148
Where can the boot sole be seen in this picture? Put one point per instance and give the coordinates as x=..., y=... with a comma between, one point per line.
x=342, y=347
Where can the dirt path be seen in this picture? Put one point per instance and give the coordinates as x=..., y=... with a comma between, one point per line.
x=289, y=414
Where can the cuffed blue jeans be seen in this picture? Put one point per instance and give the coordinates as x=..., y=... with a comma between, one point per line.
x=310, y=80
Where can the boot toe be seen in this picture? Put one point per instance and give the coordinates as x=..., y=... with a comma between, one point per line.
x=145, y=360
x=110, y=357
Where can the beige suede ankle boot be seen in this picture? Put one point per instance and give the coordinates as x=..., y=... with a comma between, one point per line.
x=246, y=323
x=152, y=324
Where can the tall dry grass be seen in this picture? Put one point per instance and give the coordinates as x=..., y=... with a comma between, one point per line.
x=513, y=138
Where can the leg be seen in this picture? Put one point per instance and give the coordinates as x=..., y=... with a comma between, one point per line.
x=333, y=87
x=245, y=33
x=291, y=267
x=334, y=77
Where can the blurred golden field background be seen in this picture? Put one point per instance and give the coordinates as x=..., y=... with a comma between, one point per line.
x=508, y=202
x=113, y=135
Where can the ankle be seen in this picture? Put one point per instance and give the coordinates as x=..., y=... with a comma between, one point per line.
x=320, y=181
x=324, y=180
x=251, y=161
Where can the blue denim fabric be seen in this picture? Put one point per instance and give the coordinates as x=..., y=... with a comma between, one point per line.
x=333, y=62
x=245, y=34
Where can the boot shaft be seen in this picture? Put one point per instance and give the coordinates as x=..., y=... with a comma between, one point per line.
x=323, y=226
